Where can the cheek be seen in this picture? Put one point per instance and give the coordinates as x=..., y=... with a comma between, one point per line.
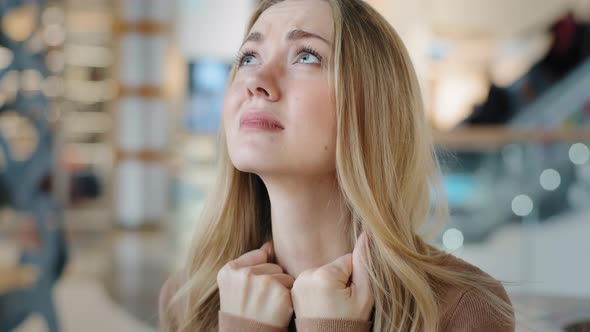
x=231, y=103
x=316, y=117
x=317, y=110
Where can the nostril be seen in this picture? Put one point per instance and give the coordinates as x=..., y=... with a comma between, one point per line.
x=262, y=91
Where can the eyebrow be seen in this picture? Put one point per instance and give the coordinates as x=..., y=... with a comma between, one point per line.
x=292, y=35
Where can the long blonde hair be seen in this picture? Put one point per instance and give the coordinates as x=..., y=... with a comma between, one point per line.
x=388, y=174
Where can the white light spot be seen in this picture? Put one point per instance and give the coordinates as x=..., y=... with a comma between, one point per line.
x=6, y=57
x=579, y=154
x=453, y=239
x=54, y=35
x=550, y=179
x=522, y=205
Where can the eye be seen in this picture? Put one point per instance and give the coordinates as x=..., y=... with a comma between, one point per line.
x=309, y=58
x=309, y=55
x=246, y=58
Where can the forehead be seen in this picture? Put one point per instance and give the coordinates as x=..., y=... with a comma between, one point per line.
x=313, y=16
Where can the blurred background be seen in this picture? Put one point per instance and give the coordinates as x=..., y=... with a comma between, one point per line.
x=108, y=119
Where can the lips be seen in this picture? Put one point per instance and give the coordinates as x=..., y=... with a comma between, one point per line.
x=260, y=121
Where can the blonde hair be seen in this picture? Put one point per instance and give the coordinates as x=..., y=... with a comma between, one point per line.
x=388, y=174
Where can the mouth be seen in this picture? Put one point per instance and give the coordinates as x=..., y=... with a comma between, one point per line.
x=260, y=121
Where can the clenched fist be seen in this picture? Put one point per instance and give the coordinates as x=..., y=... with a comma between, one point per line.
x=340, y=289
x=252, y=288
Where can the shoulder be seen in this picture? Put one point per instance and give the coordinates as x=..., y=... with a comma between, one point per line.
x=471, y=308
x=167, y=291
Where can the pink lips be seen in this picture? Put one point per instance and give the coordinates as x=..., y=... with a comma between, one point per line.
x=260, y=121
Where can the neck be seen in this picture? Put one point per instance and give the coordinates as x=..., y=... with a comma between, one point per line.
x=310, y=223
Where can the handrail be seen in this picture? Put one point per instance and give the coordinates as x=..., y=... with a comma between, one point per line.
x=495, y=137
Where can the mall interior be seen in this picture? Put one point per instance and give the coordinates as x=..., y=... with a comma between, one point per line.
x=109, y=114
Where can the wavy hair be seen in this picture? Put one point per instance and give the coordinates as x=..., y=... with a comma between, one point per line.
x=387, y=172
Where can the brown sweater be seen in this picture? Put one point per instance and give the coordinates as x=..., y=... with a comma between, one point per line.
x=462, y=310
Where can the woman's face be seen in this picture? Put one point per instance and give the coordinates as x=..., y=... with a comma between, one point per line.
x=279, y=112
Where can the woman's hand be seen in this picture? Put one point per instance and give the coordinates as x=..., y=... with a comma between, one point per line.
x=329, y=291
x=252, y=288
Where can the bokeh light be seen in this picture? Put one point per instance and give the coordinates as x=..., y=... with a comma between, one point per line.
x=6, y=57
x=550, y=179
x=453, y=239
x=522, y=205
x=579, y=153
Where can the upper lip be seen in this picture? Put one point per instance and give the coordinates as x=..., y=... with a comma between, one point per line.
x=260, y=116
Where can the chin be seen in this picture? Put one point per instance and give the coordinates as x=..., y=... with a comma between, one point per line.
x=249, y=163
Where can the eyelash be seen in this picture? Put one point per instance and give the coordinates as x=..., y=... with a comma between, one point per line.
x=310, y=50
x=243, y=54
x=304, y=49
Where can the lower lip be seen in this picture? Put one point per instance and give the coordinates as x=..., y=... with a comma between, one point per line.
x=259, y=125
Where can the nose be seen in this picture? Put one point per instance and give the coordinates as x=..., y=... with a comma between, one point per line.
x=263, y=83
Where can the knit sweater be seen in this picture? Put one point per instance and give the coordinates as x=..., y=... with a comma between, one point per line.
x=462, y=310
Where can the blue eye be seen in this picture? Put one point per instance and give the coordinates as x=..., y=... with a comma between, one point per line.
x=309, y=58
x=248, y=59
x=309, y=55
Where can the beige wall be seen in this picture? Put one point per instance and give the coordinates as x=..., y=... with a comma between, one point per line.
x=211, y=28
x=489, y=17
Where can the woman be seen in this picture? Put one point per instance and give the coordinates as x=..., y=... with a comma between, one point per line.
x=325, y=139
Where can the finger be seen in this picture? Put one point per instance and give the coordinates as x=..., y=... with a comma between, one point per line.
x=267, y=246
x=339, y=270
x=266, y=268
x=285, y=279
x=252, y=258
x=360, y=275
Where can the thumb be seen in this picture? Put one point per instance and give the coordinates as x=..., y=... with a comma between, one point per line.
x=360, y=276
x=339, y=270
x=267, y=248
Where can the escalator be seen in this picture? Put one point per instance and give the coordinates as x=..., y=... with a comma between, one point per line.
x=482, y=185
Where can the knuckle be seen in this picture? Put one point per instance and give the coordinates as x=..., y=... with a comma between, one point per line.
x=285, y=292
x=261, y=254
x=323, y=284
x=246, y=273
x=278, y=290
x=265, y=281
x=321, y=279
x=305, y=275
x=222, y=275
x=322, y=274
x=302, y=284
x=232, y=265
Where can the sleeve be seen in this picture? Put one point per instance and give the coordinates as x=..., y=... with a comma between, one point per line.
x=473, y=313
x=331, y=325
x=231, y=323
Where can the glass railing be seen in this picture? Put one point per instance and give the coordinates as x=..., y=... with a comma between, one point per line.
x=493, y=172
x=520, y=210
